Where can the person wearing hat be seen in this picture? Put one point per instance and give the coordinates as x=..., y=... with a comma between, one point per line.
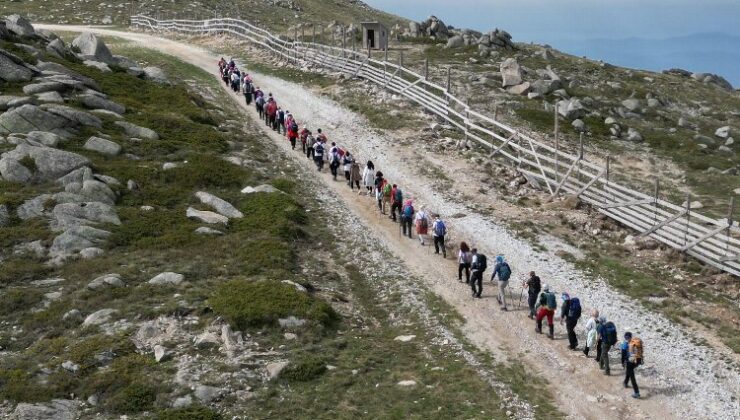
x=570, y=313
x=503, y=270
x=533, y=286
x=546, y=309
x=631, y=358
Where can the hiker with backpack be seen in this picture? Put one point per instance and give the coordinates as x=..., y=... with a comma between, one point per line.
x=247, y=89
x=279, y=122
x=318, y=155
x=259, y=102
x=293, y=132
x=355, y=177
x=503, y=271
x=570, y=313
x=386, y=196
x=334, y=160
x=422, y=225
x=381, y=184
x=272, y=110
x=397, y=204
x=368, y=177
x=464, y=259
x=439, y=230
x=478, y=266
x=407, y=217
x=608, y=334
x=546, y=309
x=533, y=286
x=631, y=358
x=347, y=161
x=591, y=335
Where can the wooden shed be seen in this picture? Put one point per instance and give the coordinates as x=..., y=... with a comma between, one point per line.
x=374, y=36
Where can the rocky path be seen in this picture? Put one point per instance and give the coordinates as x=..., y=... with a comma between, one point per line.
x=680, y=379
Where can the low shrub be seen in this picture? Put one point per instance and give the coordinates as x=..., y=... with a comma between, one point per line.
x=127, y=386
x=19, y=300
x=274, y=213
x=304, y=369
x=196, y=412
x=245, y=304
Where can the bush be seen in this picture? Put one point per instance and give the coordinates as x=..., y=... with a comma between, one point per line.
x=203, y=171
x=245, y=304
x=160, y=229
x=196, y=412
x=304, y=370
x=18, y=300
x=127, y=386
x=275, y=213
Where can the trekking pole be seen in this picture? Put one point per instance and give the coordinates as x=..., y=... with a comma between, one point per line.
x=521, y=294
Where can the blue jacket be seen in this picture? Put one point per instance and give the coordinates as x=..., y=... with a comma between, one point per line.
x=624, y=347
x=497, y=271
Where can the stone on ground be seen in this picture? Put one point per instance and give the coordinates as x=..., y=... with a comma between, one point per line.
x=221, y=206
x=206, y=216
x=106, y=281
x=102, y=146
x=93, y=47
x=19, y=25
x=274, y=369
x=99, y=317
x=511, y=73
x=167, y=278
x=134, y=130
x=53, y=410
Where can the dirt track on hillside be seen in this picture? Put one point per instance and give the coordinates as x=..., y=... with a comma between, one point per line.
x=667, y=390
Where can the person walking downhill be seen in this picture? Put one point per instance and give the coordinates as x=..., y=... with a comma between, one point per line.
x=259, y=102
x=397, y=204
x=272, y=110
x=631, y=359
x=422, y=225
x=407, y=217
x=318, y=157
x=293, y=132
x=368, y=177
x=464, y=258
x=503, y=270
x=355, y=177
x=387, y=194
x=478, y=266
x=304, y=138
x=570, y=313
x=310, y=144
x=380, y=186
x=591, y=325
x=546, y=307
x=247, y=89
x=334, y=160
x=279, y=122
x=439, y=230
x=608, y=333
x=347, y=162
x=533, y=291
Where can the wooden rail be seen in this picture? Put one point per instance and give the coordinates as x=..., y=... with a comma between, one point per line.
x=679, y=227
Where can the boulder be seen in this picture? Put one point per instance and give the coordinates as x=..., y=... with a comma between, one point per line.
x=160, y=353
x=50, y=163
x=207, y=231
x=98, y=102
x=167, y=278
x=631, y=104
x=77, y=176
x=133, y=130
x=723, y=132
x=511, y=73
x=66, y=75
x=579, y=125
x=634, y=135
x=57, y=48
x=54, y=410
x=75, y=239
x=106, y=281
x=95, y=190
x=207, y=394
x=456, y=41
x=12, y=101
x=571, y=108
x=274, y=369
x=414, y=29
x=4, y=33
x=19, y=25
x=99, y=317
x=206, y=216
x=545, y=87
x=221, y=206
x=76, y=214
x=102, y=146
x=50, y=98
x=260, y=189
x=75, y=116
x=42, y=87
x=92, y=252
x=13, y=171
x=98, y=65
x=155, y=74
x=29, y=118
x=12, y=68
x=520, y=89
x=91, y=46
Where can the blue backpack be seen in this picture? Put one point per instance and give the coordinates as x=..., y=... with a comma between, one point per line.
x=574, y=310
x=609, y=333
x=504, y=272
x=408, y=211
x=439, y=228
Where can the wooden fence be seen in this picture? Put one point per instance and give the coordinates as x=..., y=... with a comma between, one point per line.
x=677, y=226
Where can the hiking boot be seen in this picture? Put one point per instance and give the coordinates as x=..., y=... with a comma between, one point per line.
x=530, y=316
x=538, y=330
x=503, y=308
x=551, y=336
x=626, y=385
x=636, y=395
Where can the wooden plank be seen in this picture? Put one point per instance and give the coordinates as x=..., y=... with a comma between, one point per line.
x=565, y=178
x=393, y=76
x=590, y=183
x=663, y=223
x=628, y=203
x=537, y=158
x=411, y=85
x=359, y=68
x=503, y=145
x=705, y=237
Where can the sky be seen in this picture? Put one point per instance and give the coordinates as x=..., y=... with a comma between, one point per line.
x=573, y=25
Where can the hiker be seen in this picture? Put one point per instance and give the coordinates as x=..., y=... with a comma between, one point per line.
x=397, y=200
x=608, y=336
x=439, y=230
x=225, y=76
x=247, y=90
x=334, y=160
x=533, y=291
x=464, y=258
x=310, y=144
x=591, y=324
x=407, y=216
x=259, y=102
x=478, y=266
x=272, y=110
x=304, y=138
x=546, y=309
x=422, y=225
x=368, y=179
x=387, y=196
x=318, y=157
x=347, y=162
x=380, y=186
x=570, y=312
x=279, y=123
x=355, y=176
x=293, y=133
x=631, y=359
x=503, y=270
x=320, y=136
x=235, y=78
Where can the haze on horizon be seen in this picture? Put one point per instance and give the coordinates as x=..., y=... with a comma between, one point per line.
x=647, y=34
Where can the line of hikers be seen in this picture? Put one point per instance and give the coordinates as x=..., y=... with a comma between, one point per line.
x=542, y=301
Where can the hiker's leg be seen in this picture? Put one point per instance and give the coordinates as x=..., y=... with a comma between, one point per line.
x=442, y=245
x=460, y=268
x=572, y=337
x=467, y=273
x=532, y=301
x=598, y=352
x=631, y=372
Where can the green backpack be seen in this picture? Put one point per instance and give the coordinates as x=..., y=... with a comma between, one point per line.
x=552, y=302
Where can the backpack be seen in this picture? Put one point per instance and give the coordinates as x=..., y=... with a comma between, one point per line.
x=552, y=302
x=504, y=272
x=635, y=349
x=294, y=127
x=399, y=195
x=439, y=228
x=408, y=211
x=319, y=149
x=481, y=262
x=424, y=223
x=535, y=284
x=574, y=310
x=610, y=333
x=387, y=190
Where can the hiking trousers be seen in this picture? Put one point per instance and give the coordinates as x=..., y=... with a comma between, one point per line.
x=463, y=267
x=439, y=244
x=310, y=152
x=598, y=351
x=545, y=313
x=394, y=206
x=629, y=376
x=532, y=302
x=570, y=327
x=292, y=142
x=333, y=166
x=502, y=285
x=406, y=223
x=604, y=360
x=476, y=283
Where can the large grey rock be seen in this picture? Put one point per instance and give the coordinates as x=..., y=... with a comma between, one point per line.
x=206, y=216
x=19, y=25
x=102, y=146
x=75, y=239
x=631, y=104
x=54, y=410
x=634, y=135
x=511, y=73
x=50, y=98
x=579, y=125
x=42, y=87
x=106, y=281
x=97, y=102
x=12, y=69
x=207, y=394
x=4, y=33
x=66, y=74
x=76, y=214
x=167, y=278
x=723, y=132
x=155, y=74
x=98, y=191
x=4, y=215
x=34, y=207
x=11, y=101
x=456, y=41
x=57, y=47
x=13, y=171
x=91, y=46
x=75, y=116
x=571, y=108
x=520, y=89
x=136, y=131
x=98, y=65
x=99, y=317
x=264, y=188
x=221, y=206
x=77, y=176
x=545, y=87
x=29, y=118
x=50, y=163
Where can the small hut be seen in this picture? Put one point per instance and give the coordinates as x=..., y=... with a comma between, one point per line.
x=374, y=36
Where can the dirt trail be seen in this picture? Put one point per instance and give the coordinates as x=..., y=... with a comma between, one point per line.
x=679, y=380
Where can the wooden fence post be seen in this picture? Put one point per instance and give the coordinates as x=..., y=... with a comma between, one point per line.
x=557, y=144
x=449, y=79
x=657, y=193
x=426, y=69
x=580, y=155
x=400, y=60
x=730, y=215
x=688, y=219
x=606, y=190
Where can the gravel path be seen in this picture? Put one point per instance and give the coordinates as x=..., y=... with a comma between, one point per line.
x=679, y=380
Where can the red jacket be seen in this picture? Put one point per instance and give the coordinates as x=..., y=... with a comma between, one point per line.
x=272, y=108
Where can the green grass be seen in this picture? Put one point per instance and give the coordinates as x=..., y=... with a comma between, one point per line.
x=631, y=281
x=196, y=412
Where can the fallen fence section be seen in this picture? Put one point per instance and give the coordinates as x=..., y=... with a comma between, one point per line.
x=679, y=227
